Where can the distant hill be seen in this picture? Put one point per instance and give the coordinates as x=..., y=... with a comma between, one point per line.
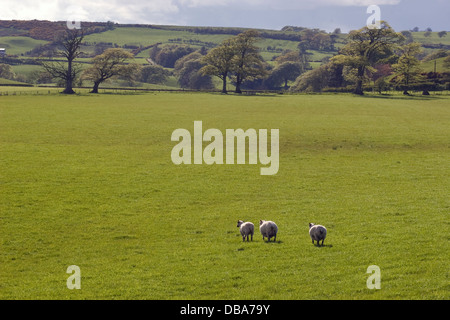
x=27, y=40
x=44, y=30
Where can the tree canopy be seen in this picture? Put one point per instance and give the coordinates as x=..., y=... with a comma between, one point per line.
x=109, y=64
x=366, y=47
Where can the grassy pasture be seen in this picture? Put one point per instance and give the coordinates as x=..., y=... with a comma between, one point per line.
x=19, y=45
x=87, y=180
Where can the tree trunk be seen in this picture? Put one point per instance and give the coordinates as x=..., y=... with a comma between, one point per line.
x=359, y=81
x=69, y=79
x=68, y=89
x=238, y=88
x=238, y=84
x=224, y=86
x=95, y=88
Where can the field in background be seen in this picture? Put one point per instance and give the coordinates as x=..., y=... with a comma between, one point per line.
x=87, y=180
x=133, y=36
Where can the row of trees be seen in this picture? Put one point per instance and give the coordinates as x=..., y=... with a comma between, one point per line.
x=369, y=53
x=378, y=54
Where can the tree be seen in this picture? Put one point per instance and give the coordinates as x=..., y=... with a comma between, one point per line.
x=189, y=74
x=70, y=41
x=312, y=81
x=366, y=47
x=248, y=63
x=109, y=64
x=219, y=62
x=299, y=57
x=442, y=34
x=166, y=56
x=381, y=85
x=6, y=71
x=408, y=36
x=153, y=74
x=287, y=71
x=408, y=69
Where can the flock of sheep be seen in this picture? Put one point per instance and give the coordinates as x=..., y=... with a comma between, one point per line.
x=269, y=229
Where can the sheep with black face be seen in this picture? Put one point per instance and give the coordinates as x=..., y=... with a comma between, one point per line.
x=246, y=228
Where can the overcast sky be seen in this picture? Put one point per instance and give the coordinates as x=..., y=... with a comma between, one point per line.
x=265, y=14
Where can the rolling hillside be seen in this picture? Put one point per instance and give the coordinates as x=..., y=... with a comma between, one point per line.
x=25, y=41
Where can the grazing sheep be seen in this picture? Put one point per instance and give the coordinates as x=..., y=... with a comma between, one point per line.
x=246, y=228
x=317, y=232
x=268, y=229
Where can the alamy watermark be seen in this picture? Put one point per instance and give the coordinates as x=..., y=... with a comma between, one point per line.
x=74, y=281
x=374, y=20
x=374, y=280
x=74, y=16
x=213, y=153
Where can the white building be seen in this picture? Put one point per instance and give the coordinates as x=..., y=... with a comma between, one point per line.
x=2, y=52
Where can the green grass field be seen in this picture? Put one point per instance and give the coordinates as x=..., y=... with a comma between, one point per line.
x=19, y=45
x=88, y=180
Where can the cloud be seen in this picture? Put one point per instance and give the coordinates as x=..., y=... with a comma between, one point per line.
x=131, y=11
x=284, y=4
x=152, y=11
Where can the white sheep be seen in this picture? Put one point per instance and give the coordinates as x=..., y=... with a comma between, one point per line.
x=268, y=229
x=246, y=228
x=317, y=232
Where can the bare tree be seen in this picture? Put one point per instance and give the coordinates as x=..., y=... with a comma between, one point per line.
x=70, y=43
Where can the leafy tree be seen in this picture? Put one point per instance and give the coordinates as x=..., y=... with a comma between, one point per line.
x=366, y=47
x=381, y=85
x=442, y=34
x=408, y=36
x=408, y=70
x=237, y=58
x=70, y=41
x=109, y=64
x=6, y=71
x=153, y=74
x=219, y=62
x=312, y=81
x=167, y=56
x=287, y=71
x=299, y=57
x=248, y=63
x=179, y=64
x=190, y=75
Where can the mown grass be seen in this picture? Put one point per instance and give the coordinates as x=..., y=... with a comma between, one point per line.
x=88, y=180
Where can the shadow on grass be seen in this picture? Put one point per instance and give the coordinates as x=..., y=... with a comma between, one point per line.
x=324, y=246
x=402, y=97
x=273, y=242
x=243, y=94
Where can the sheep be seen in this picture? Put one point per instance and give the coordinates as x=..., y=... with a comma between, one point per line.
x=317, y=232
x=268, y=229
x=246, y=228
